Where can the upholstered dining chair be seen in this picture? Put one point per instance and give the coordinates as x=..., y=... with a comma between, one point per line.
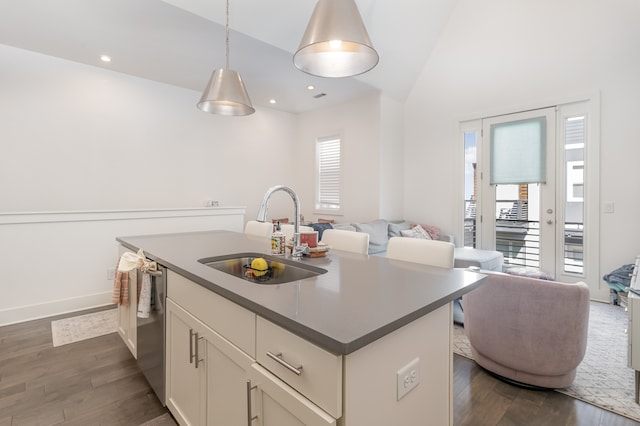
x=417, y=250
x=260, y=229
x=352, y=241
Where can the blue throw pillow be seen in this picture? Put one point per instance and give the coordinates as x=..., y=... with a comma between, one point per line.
x=320, y=227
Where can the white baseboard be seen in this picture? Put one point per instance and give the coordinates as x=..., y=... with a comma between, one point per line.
x=56, y=307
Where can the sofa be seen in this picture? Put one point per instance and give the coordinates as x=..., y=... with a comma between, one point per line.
x=380, y=230
x=527, y=330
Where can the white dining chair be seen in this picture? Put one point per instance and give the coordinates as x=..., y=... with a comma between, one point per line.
x=260, y=229
x=418, y=250
x=340, y=239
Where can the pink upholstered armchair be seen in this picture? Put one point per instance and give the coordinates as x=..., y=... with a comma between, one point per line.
x=528, y=330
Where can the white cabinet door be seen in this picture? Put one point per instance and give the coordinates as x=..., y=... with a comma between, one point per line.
x=227, y=375
x=127, y=321
x=185, y=386
x=274, y=403
x=212, y=391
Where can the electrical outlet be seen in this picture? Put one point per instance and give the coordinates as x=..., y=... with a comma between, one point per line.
x=111, y=273
x=408, y=377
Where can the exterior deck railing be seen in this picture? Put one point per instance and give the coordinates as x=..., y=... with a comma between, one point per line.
x=519, y=239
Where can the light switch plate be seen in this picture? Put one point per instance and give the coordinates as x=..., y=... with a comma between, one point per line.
x=408, y=377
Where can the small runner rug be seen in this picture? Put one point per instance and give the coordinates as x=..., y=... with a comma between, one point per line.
x=603, y=378
x=82, y=327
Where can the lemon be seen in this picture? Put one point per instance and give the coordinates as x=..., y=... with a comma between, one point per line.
x=259, y=266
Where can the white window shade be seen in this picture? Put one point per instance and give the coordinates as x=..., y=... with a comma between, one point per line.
x=518, y=152
x=329, y=174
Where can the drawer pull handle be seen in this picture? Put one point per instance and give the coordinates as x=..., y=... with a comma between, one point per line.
x=278, y=358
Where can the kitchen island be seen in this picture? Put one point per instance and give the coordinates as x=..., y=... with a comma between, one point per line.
x=366, y=343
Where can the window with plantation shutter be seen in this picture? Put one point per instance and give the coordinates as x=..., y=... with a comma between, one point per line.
x=328, y=173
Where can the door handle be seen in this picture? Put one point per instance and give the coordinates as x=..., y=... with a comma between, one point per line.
x=197, y=354
x=191, y=356
x=250, y=418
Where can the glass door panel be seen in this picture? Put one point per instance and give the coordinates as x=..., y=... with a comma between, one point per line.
x=518, y=209
x=573, y=241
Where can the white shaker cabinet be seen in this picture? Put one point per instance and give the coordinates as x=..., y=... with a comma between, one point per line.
x=274, y=403
x=127, y=321
x=206, y=381
x=212, y=375
x=185, y=384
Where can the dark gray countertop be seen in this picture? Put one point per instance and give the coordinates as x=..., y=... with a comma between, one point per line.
x=360, y=298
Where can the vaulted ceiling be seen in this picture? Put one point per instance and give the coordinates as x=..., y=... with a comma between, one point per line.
x=180, y=42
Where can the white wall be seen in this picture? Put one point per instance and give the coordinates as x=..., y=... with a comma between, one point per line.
x=76, y=137
x=370, y=163
x=500, y=55
x=60, y=262
x=391, y=159
x=81, y=138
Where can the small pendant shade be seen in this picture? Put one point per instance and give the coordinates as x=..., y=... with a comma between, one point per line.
x=226, y=95
x=336, y=42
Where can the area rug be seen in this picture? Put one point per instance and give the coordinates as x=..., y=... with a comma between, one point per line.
x=603, y=378
x=75, y=329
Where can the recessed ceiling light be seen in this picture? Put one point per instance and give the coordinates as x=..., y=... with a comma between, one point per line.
x=311, y=87
x=272, y=101
x=105, y=58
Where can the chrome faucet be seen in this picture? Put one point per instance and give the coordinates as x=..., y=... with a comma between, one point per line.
x=298, y=249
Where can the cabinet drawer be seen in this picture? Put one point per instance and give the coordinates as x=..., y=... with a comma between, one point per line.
x=320, y=372
x=233, y=322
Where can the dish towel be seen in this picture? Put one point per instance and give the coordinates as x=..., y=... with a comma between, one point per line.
x=144, y=302
x=120, y=294
x=130, y=262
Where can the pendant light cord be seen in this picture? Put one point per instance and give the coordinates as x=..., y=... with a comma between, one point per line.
x=227, y=36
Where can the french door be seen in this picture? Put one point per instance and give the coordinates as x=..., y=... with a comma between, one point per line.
x=519, y=188
x=542, y=212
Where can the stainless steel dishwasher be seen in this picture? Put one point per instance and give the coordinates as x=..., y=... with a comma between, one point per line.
x=151, y=334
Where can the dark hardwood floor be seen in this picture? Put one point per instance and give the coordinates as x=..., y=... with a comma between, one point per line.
x=480, y=399
x=97, y=382
x=93, y=382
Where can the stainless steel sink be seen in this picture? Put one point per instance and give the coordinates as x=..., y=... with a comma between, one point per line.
x=279, y=270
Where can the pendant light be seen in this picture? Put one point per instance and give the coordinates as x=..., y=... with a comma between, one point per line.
x=336, y=42
x=225, y=94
